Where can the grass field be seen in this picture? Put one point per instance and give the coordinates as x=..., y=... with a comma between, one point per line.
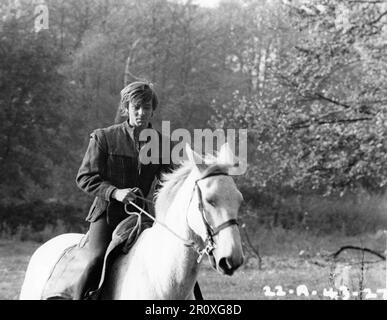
x=286, y=266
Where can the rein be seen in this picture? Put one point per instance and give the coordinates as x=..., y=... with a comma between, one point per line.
x=211, y=231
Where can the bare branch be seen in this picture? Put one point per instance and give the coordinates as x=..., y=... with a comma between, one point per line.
x=369, y=2
x=335, y=255
x=379, y=18
x=333, y=101
x=306, y=124
x=253, y=249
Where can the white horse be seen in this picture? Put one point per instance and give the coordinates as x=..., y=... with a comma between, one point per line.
x=193, y=201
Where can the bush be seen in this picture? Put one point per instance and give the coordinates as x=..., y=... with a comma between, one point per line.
x=350, y=215
x=40, y=220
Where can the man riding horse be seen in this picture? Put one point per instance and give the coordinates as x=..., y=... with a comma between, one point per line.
x=111, y=171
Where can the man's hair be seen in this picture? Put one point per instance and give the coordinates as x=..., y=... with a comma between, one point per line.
x=138, y=92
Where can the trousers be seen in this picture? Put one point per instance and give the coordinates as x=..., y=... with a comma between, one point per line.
x=100, y=235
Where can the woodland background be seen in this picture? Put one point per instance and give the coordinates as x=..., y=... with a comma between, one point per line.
x=308, y=79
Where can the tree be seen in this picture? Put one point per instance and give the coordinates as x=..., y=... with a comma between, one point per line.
x=32, y=96
x=321, y=123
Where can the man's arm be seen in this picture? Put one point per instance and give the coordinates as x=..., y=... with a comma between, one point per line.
x=89, y=177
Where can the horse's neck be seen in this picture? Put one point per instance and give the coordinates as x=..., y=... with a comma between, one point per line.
x=176, y=260
x=163, y=263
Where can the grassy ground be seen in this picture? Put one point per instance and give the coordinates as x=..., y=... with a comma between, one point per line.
x=297, y=278
x=14, y=257
x=289, y=260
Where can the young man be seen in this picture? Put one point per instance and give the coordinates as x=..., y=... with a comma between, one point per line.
x=111, y=171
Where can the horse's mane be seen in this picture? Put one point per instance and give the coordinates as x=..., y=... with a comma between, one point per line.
x=172, y=182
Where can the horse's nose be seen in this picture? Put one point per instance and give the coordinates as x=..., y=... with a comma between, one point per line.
x=228, y=265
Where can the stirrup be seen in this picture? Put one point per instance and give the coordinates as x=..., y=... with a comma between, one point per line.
x=90, y=295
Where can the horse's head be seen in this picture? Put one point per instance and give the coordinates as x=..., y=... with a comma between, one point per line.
x=214, y=207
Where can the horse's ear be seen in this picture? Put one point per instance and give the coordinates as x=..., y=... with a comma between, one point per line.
x=226, y=156
x=194, y=157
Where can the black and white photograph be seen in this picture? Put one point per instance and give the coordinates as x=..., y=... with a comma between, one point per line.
x=203, y=150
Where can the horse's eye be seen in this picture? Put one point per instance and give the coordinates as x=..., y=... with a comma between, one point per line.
x=211, y=202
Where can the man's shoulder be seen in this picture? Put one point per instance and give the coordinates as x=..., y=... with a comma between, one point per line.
x=110, y=129
x=115, y=139
x=114, y=127
x=110, y=135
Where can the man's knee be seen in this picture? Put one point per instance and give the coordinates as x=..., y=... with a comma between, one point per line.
x=96, y=256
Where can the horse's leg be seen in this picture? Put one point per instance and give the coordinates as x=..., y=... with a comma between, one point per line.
x=197, y=292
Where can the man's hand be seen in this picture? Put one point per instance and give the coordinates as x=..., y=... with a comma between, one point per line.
x=125, y=195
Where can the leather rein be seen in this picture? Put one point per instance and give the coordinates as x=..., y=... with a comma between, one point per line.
x=211, y=232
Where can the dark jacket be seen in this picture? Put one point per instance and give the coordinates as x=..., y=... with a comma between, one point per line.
x=112, y=161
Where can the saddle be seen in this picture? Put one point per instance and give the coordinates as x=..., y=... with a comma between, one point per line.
x=66, y=273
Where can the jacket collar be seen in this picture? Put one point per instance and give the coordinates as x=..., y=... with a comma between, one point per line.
x=130, y=129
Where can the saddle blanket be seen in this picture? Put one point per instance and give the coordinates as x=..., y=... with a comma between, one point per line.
x=66, y=273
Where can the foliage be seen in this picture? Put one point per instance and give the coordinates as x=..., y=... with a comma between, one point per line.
x=31, y=97
x=45, y=215
x=321, y=121
x=307, y=78
x=350, y=215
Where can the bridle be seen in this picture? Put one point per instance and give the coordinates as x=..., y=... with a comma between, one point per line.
x=211, y=232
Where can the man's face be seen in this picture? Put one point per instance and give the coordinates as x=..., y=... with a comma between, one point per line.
x=140, y=114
